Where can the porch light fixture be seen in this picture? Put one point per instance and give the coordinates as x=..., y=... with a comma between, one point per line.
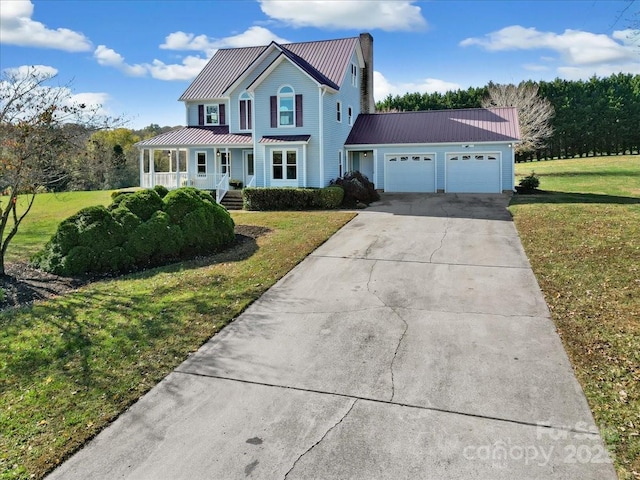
x=365, y=154
x=218, y=153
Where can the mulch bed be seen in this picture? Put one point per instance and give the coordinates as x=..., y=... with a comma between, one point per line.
x=24, y=284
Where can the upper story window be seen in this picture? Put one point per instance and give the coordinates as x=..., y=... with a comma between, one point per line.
x=354, y=75
x=286, y=107
x=339, y=112
x=211, y=116
x=350, y=115
x=246, y=122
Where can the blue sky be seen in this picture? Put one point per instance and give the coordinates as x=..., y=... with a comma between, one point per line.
x=136, y=57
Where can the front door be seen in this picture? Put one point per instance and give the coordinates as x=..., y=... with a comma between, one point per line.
x=225, y=162
x=249, y=169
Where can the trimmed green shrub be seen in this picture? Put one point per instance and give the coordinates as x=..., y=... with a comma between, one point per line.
x=530, y=182
x=97, y=229
x=330, y=197
x=143, y=203
x=161, y=190
x=178, y=203
x=126, y=235
x=116, y=193
x=291, y=198
x=80, y=259
x=126, y=218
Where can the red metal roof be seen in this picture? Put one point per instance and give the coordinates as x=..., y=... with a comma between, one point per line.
x=330, y=57
x=197, y=136
x=326, y=61
x=284, y=138
x=221, y=71
x=499, y=124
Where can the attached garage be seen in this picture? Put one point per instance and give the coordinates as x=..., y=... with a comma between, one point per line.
x=473, y=172
x=415, y=172
x=456, y=151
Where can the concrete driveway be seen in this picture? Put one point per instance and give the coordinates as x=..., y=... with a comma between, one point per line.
x=414, y=344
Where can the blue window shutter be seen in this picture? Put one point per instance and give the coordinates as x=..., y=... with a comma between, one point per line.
x=298, y=110
x=274, y=111
x=221, y=112
x=200, y=114
x=249, y=119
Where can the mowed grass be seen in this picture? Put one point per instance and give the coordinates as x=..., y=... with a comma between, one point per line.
x=583, y=240
x=43, y=219
x=71, y=365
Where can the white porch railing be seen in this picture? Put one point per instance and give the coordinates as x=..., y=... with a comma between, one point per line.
x=173, y=180
x=222, y=187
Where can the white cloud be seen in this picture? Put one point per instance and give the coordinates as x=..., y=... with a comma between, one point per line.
x=188, y=69
x=583, y=72
x=253, y=36
x=110, y=58
x=389, y=15
x=576, y=48
x=18, y=28
x=24, y=71
x=190, y=65
x=383, y=87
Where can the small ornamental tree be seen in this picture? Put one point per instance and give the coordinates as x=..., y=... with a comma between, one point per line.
x=39, y=127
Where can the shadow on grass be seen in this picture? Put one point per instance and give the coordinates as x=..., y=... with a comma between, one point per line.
x=543, y=196
x=85, y=334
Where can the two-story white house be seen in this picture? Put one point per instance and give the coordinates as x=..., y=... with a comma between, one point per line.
x=301, y=114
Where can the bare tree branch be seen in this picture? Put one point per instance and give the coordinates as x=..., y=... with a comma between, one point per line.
x=534, y=112
x=40, y=127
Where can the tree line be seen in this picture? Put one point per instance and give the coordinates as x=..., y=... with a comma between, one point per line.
x=599, y=116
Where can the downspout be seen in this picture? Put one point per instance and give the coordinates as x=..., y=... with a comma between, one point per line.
x=322, y=91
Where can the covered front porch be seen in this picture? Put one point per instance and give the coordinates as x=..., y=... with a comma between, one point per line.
x=197, y=157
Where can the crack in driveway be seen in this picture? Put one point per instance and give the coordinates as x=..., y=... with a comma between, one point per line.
x=395, y=354
x=353, y=404
x=404, y=331
x=446, y=230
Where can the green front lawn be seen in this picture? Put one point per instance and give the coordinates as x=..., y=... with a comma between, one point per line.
x=45, y=215
x=582, y=238
x=71, y=365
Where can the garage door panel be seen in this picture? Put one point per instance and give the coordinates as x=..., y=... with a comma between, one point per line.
x=473, y=173
x=410, y=173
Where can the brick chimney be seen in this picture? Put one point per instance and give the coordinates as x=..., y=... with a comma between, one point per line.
x=367, y=102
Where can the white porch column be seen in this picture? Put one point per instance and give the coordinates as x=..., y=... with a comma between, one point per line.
x=177, y=168
x=152, y=167
x=186, y=163
x=142, y=166
x=228, y=157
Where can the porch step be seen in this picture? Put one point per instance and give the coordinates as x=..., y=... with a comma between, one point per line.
x=232, y=200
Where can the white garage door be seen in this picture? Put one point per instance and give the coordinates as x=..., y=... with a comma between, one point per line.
x=473, y=173
x=410, y=173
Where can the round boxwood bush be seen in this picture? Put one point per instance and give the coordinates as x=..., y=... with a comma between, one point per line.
x=137, y=230
x=205, y=225
x=143, y=203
